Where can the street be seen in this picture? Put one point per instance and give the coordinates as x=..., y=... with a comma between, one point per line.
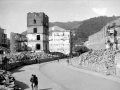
x=55, y=76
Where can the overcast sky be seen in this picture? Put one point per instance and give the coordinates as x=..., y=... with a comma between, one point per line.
x=13, y=13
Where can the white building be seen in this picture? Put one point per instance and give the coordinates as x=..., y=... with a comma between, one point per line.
x=59, y=40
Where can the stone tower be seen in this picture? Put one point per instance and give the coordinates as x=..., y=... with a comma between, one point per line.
x=38, y=31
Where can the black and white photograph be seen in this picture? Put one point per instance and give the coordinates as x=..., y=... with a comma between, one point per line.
x=59, y=45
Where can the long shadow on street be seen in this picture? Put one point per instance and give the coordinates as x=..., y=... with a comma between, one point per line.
x=17, y=70
x=22, y=85
x=46, y=89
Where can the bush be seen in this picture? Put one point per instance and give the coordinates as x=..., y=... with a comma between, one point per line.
x=81, y=49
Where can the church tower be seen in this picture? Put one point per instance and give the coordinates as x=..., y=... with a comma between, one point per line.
x=38, y=31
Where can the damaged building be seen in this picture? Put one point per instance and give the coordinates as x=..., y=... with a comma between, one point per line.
x=38, y=31
x=107, y=38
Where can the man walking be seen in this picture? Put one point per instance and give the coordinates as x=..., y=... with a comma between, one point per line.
x=34, y=81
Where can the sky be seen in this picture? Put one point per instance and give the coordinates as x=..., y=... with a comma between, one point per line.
x=13, y=13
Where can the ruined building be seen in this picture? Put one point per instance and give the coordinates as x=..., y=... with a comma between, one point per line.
x=3, y=42
x=38, y=31
x=107, y=38
x=18, y=42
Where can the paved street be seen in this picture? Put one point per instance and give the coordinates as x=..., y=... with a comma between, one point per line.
x=56, y=76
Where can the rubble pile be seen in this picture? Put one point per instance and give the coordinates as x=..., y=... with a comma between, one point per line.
x=24, y=58
x=102, y=61
x=7, y=81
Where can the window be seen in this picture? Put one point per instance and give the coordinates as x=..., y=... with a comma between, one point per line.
x=37, y=46
x=38, y=37
x=34, y=21
x=34, y=30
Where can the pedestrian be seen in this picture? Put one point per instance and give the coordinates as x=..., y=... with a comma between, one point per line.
x=32, y=81
x=58, y=59
x=35, y=82
x=68, y=61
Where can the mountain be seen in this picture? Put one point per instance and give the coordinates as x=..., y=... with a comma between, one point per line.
x=84, y=28
x=66, y=25
x=93, y=25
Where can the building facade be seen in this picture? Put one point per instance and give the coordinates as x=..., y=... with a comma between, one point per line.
x=107, y=38
x=18, y=42
x=3, y=41
x=38, y=31
x=3, y=37
x=59, y=40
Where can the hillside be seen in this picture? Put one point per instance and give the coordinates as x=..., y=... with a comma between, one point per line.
x=84, y=28
x=66, y=25
x=92, y=26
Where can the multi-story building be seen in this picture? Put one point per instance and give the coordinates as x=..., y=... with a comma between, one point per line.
x=3, y=41
x=59, y=40
x=3, y=37
x=38, y=31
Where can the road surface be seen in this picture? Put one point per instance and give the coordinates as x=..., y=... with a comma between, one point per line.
x=55, y=76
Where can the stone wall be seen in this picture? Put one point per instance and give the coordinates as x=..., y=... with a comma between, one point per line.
x=102, y=61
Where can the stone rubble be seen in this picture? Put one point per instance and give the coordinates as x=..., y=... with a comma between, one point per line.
x=102, y=61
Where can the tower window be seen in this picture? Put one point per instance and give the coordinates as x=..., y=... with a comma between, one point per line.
x=34, y=21
x=37, y=46
x=38, y=37
x=34, y=30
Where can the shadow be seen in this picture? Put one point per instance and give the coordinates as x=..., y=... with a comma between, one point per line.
x=17, y=70
x=22, y=85
x=46, y=89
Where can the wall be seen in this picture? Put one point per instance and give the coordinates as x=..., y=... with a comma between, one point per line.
x=32, y=44
x=97, y=40
x=117, y=62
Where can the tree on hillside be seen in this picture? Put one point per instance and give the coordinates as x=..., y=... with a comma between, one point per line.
x=81, y=49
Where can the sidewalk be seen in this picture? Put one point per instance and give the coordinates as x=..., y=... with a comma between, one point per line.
x=109, y=77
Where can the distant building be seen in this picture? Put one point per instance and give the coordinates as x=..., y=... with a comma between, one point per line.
x=18, y=42
x=3, y=41
x=3, y=37
x=38, y=31
x=8, y=43
x=59, y=40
